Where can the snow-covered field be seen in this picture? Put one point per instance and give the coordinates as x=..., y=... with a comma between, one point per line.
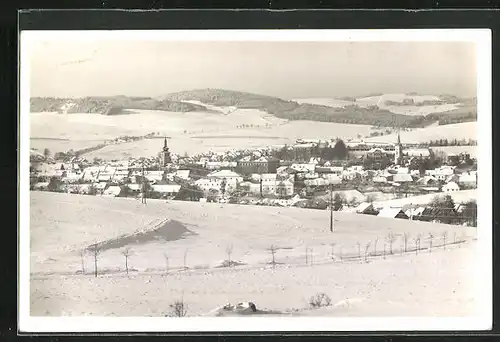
x=461, y=196
x=472, y=150
x=380, y=102
x=197, y=236
x=188, y=132
x=466, y=130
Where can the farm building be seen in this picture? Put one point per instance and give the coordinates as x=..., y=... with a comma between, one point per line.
x=366, y=208
x=414, y=212
x=392, y=212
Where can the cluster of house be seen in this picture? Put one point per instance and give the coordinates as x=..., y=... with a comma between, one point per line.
x=253, y=172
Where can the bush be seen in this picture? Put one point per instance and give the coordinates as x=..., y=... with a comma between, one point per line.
x=320, y=300
x=178, y=309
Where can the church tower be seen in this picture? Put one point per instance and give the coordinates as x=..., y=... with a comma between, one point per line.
x=398, y=155
x=165, y=155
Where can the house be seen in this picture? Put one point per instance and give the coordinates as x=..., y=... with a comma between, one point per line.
x=401, y=178
x=113, y=191
x=417, y=152
x=392, y=212
x=427, y=181
x=167, y=189
x=332, y=178
x=100, y=187
x=379, y=179
x=183, y=174
x=316, y=182
x=348, y=195
x=450, y=187
x=231, y=178
x=468, y=179
x=303, y=168
x=284, y=188
x=71, y=177
x=366, y=208
x=253, y=188
x=43, y=186
x=414, y=212
x=134, y=187
x=327, y=170
x=154, y=176
x=260, y=165
x=207, y=184
x=441, y=173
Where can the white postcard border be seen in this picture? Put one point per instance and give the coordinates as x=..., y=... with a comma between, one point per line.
x=481, y=321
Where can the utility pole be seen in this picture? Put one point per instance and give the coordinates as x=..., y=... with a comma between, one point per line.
x=143, y=199
x=331, y=208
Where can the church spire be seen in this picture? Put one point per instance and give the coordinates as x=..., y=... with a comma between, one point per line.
x=165, y=147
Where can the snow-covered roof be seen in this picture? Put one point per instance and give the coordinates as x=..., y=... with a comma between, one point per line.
x=417, y=152
x=164, y=188
x=223, y=174
x=363, y=207
x=391, y=212
x=402, y=177
x=112, y=191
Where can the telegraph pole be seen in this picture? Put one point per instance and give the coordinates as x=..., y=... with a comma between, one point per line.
x=331, y=208
x=143, y=199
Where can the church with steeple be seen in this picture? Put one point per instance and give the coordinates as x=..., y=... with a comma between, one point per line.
x=165, y=158
x=398, y=155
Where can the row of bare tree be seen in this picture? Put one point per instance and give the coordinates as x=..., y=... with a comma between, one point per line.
x=363, y=250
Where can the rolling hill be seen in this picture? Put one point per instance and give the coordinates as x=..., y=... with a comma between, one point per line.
x=363, y=111
x=108, y=105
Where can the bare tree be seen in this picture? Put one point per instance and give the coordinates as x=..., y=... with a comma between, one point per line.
x=272, y=250
x=126, y=253
x=431, y=237
x=454, y=237
x=384, y=250
x=185, y=258
x=178, y=308
x=166, y=262
x=406, y=236
x=82, y=257
x=340, y=254
x=95, y=252
x=375, y=246
x=333, y=250
x=311, y=255
x=307, y=255
x=229, y=251
x=366, y=251
x=444, y=235
x=417, y=239
x=359, y=249
x=390, y=239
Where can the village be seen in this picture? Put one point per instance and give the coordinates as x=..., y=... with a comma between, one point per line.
x=386, y=179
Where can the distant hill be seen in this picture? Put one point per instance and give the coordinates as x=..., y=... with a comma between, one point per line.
x=108, y=105
x=351, y=113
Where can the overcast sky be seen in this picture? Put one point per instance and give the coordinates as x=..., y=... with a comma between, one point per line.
x=283, y=69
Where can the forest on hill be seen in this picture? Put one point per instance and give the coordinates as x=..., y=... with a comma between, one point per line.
x=284, y=109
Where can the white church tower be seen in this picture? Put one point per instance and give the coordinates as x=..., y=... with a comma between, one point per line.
x=398, y=155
